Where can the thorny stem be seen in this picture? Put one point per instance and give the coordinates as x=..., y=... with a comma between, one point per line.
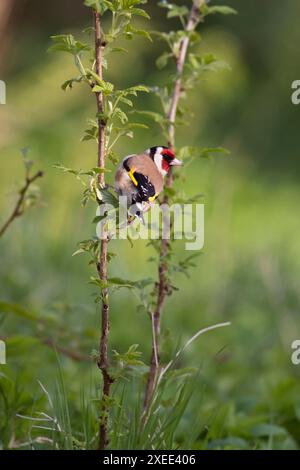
x=164, y=287
x=19, y=210
x=103, y=362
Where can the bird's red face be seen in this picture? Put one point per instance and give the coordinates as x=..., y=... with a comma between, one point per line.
x=163, y=158
x=169, y=159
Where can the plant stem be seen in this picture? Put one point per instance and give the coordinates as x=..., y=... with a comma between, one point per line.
x=18, y=210
x=71, y=353
x=103, y=362
x=164, y=287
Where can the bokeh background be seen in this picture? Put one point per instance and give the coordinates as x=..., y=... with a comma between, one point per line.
x=249, y=391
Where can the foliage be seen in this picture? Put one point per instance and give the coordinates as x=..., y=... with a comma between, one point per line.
x=194, y=66
x=115, y=122
x=28, y=194
x=246, y=395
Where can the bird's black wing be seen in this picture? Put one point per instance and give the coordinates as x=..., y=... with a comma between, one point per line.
x=145, y=188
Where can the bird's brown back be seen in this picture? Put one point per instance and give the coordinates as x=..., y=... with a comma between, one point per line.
x=144, y=164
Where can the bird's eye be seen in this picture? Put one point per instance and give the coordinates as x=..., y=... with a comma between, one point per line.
x=168, y=157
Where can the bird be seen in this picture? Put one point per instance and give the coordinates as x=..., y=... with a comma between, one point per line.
x=140, y=177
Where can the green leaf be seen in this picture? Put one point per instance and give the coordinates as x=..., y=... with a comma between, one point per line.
x=142, y=283
x=68, y=84
x=79, y=173
x=117, y=281
x=99, y=5
x=118, y=49
x=109, y=198
x=130, y=3
x=172, y=6
x=206, y=63
x=113, y=157
x=129, y=358
x=110, y=256
x=98, y=282
x=89, y=30
x=91, y=133
x=78, y=252
x=91, y=246
x=130, y=31
x=162, y=60
x=126, y=101
x=209, y=152
x=137, y=125
x=121, y=115
x=139, y=12
x=67, y=43
x=97, y=170
x=206, y=152
x=133, y=90
x=103, y=87
x=222, y=9
x=152, y=115
x=178, y=11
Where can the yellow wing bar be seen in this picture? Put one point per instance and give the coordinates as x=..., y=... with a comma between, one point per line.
x=131, y=175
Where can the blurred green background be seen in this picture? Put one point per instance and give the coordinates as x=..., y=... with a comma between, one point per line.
x=249, y=271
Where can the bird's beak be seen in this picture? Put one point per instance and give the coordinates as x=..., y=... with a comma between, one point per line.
x=176, y=162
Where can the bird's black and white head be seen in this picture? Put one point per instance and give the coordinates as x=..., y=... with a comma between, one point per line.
x=164, y=158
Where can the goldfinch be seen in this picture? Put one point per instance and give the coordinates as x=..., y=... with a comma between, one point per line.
x=140, y=177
